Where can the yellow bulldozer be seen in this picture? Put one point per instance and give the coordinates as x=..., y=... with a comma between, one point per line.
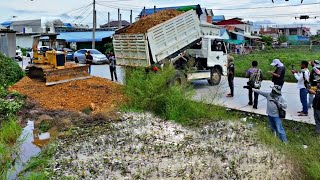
x=51, y=66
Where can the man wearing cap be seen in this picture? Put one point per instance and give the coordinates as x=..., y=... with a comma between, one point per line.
x=274, y=102
x=278, y=74
x=230, y=75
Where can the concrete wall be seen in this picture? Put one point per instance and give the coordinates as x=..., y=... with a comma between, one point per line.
x=24, y=41
x=8, y=44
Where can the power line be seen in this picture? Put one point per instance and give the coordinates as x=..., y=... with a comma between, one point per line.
x=82, y=14
x=266, y=7
x=117, y=7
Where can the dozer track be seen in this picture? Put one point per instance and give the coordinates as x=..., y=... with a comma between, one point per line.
x=58, y=76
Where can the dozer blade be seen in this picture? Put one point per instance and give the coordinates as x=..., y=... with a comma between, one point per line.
x=67, y=74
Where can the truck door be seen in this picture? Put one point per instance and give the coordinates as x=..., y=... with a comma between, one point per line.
x=215, y=53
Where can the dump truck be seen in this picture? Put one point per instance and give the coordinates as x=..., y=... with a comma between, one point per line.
x=179, y=41
x=51, y=66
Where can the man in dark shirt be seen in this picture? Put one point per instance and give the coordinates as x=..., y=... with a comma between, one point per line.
x=230, y=75
x=255, y=76
x=89, y=60
x=278, y=74
x=112, y=65
x=314, y=79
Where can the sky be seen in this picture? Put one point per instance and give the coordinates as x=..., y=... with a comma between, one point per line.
x=80, y=11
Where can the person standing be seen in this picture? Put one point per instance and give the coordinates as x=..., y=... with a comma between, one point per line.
x=255, y=78
x=274, y=102
x=112, y=66
x=279, y=73
x=314, y=78
x=302, y=77
x=230, y=75
x=316, y=107
x=89, y=60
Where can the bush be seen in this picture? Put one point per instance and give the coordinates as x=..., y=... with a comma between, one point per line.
x=153, y=93
x=10, y=71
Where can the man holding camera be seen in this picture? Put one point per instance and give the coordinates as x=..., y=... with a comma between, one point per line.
x=279, y=73
x=303, y=86
x=255, y=78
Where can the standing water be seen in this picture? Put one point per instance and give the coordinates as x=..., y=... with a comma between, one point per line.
x=30, y=147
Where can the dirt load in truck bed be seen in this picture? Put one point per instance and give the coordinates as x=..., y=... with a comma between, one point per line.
x=96, y=93
x=150, y=21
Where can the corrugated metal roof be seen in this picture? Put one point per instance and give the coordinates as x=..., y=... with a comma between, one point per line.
x=83, y=36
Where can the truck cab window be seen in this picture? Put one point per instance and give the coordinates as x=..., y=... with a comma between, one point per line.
x=213, y=45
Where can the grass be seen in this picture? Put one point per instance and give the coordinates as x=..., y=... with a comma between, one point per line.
x=39, y=167
x=307, y=160
x=9, y=133
x=289, y=57
x=153, y=93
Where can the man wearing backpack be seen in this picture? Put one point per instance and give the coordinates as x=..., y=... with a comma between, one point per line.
x=255, y=78
x=275, y=104
x=316, y=107
x=303, y=80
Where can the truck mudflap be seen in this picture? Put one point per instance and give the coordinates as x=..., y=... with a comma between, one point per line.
x=66, y=74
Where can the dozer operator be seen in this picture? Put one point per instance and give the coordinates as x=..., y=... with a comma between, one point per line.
x=51, y=66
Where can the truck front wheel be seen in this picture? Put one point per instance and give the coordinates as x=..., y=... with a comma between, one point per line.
x=179, y=79
x=215, y=77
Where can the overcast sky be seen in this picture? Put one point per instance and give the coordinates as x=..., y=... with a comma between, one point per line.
x=78, y=11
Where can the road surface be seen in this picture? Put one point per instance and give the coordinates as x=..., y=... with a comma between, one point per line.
x=217, y=94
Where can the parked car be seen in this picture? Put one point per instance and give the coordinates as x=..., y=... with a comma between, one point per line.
x=18, y=54
x=98, y=57
x=69, y=53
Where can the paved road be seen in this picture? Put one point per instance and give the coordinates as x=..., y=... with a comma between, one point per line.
x=217, y=94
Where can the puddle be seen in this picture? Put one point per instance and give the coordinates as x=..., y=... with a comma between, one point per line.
x=31, y=146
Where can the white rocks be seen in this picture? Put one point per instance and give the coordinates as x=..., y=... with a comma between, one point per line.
x=145, y=147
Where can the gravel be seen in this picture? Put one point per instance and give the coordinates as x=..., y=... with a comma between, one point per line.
x=142, y=146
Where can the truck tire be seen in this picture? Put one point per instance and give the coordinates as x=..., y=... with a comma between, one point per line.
x=179, y=79
x=215, y=77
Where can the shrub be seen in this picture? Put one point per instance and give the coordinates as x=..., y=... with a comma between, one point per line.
x=10, y=71
x=153, y=93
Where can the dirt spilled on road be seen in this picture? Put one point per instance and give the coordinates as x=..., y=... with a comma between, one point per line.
x=96, y=94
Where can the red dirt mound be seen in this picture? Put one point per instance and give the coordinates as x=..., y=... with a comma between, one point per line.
x=150, y=21
x=97, y=93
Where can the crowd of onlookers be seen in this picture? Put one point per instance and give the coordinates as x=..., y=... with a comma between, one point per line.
x=308, y=83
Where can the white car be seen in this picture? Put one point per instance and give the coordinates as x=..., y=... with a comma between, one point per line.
x=18, y=54
x=98, y=57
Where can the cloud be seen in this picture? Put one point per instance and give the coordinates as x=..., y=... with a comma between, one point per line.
x=22, y=11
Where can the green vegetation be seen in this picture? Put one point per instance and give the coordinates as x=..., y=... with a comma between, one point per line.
x=307, y=158
x=10, y=130
x=152, y=93
x=289, y=56
x=39, y=167
x=267, y=39
x=10, y=71
x=282, y=39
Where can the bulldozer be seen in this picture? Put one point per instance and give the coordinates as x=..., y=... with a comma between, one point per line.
x=51, y=65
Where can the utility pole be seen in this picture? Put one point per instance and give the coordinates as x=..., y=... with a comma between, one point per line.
x=94, y=25
x=108, y=19
x=119, y=25
x=130, y=16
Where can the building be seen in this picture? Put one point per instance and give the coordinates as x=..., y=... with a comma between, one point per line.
x=115, y=24
x=218, y=18
x=7, y=42
x=236, y=22
x=295, y=34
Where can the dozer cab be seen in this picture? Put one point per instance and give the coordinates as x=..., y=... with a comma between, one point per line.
x=51, y=66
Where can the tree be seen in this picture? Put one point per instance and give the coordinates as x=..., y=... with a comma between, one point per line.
x=267, y=39
x=282, y=39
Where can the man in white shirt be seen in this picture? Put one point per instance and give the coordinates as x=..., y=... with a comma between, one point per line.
x=302, y=78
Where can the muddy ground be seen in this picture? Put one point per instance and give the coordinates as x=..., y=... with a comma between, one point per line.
x=141, y=146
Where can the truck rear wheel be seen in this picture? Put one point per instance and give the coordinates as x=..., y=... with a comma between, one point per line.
x=215, y=77
x=179, y=79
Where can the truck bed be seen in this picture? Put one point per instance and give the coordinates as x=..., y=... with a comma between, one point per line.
x=159, y=42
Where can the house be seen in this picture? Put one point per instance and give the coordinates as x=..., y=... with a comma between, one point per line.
x=236, y=22
x=115, y=24
x=296, y=34
x=218, y=18
x=7, y=42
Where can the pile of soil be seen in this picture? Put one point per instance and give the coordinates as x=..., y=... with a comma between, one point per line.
x=150, y=21
x=96, y=94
